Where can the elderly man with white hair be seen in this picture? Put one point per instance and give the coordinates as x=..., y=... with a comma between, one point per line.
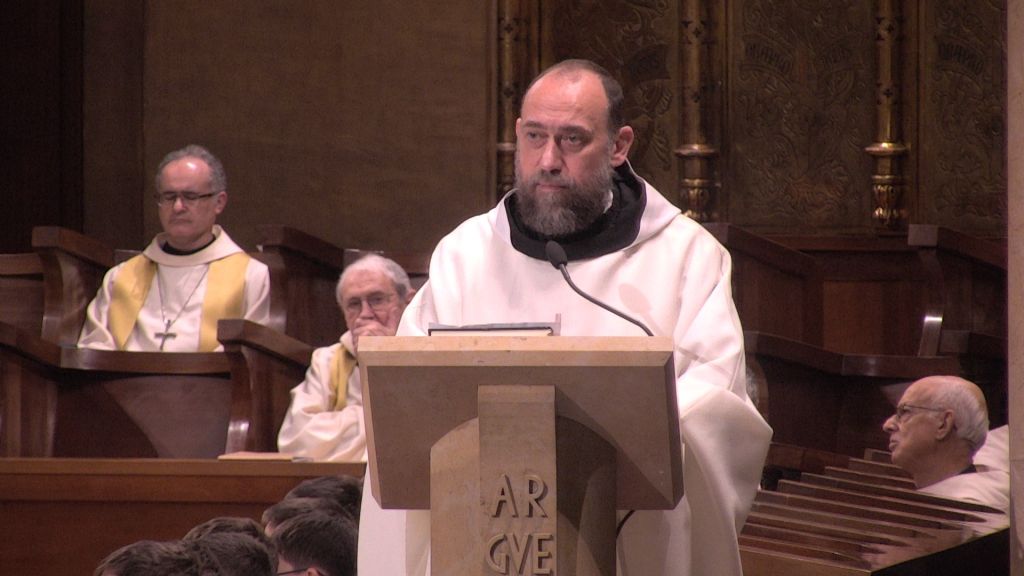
x=325, y=418
x=940, y=424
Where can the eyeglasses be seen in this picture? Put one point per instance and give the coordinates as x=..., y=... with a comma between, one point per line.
x=187, y=198
x=377, y=302
x=904, y=410
x=300, y=570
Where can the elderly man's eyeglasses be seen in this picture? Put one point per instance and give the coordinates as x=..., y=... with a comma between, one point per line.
x=903, y=411
x=187, y=198
x=378, y=301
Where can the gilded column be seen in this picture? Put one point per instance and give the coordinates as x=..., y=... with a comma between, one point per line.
x=698, y=186
x=516, y=66
x=888, y=183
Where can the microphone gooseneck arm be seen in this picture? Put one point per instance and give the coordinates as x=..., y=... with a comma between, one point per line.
x=557, y=257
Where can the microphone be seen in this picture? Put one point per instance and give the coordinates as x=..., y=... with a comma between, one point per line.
x=558, y=259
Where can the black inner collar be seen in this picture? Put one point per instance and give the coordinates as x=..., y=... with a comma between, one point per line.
x=166, y=247
x=617, y=228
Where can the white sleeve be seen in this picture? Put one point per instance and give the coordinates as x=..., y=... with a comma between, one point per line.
x=257, y=292
x=95, y=332
x=722, y=431
x=725, y=441
x=311, y=429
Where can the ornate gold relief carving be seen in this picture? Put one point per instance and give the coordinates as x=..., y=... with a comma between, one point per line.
x=634, y=40
x=963, y=114
x=517, y=59
x=798, y=113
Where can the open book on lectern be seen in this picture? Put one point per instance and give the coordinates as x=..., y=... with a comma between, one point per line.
x=498, y=329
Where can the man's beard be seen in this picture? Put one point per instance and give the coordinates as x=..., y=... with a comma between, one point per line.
x=576, y=207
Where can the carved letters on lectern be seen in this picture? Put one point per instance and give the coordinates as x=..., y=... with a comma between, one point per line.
x=507, y=552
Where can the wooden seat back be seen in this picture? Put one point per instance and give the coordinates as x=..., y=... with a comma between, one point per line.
x=71, y=402
x=22, y=291
x=73, y=267
x=825, y=400
x=846, y=522
x=777, y=290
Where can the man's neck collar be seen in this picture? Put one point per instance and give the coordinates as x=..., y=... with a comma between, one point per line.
x=170, y=249
x=942, y=469
x=614, y=230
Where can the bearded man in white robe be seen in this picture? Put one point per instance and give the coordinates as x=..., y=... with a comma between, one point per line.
x=629, y=247
x=170, y=297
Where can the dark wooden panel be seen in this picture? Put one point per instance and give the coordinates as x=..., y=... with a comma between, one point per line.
x=40, y=118
x=97, y=506
x=21, y=291
x=114, y=184
x=93, y=403
x=365, y=123
x=823, y=400
x=875, y=292
x=777, y=290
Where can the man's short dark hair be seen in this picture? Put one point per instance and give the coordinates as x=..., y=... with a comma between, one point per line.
x=345, y=490
x=318, y=539
x=230, y=525
x=289, y=508
x=612, y=88
x=232, y=554
x=150, y=558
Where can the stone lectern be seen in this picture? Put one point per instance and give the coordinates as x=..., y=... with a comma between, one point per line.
x=522, y=448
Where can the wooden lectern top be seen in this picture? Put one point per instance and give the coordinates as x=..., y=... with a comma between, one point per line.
x=416, y=389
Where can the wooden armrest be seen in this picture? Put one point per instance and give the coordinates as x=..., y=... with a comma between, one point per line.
x=26, y=264
x=872, y=365
x=79, y=245
x=979, y=249
x=237, y=332
x=265, y=366
x=778, y=255
x=27, y=345
x=274, y=237
x=145, y=362
x=73, y=268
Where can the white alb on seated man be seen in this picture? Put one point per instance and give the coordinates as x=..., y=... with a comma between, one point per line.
x=940, y=424
x=325, y=418
x=170, y=297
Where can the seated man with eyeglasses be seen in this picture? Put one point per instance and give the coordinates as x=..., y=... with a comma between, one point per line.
x=170, y=297
x=940, y=424
x=325, y=418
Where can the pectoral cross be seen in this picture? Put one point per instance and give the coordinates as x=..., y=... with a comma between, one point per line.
x=166, y=334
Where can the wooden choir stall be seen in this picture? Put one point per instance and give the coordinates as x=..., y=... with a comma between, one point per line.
x=832, y=504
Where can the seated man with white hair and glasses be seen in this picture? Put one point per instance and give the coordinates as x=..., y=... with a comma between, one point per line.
x=325, y=417
x=940, y=424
